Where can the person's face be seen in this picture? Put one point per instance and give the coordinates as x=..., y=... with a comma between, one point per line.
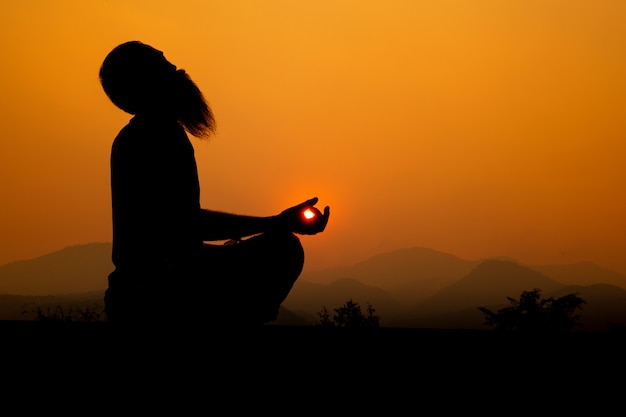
x=169, y=67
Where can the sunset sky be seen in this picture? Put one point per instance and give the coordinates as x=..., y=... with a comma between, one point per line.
x=479, y=128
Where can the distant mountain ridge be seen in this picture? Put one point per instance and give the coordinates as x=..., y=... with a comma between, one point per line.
x=409, y=273
x=490, y=282
x=419, y=272
x=442, y=294
x=582, y=273
x=414, y=287
x=74, y=269
x=85, y=267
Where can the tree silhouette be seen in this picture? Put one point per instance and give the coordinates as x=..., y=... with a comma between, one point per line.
x=325, y=319
x=535, y=314
x=350, y=316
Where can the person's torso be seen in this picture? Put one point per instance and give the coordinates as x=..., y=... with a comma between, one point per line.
x=155, y=194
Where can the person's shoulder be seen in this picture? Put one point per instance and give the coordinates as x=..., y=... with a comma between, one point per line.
x=132, y=136
x=149, y=126
x=152, y=135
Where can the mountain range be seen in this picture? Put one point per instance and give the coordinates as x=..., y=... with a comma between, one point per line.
x=409, y=287
x=74, y=269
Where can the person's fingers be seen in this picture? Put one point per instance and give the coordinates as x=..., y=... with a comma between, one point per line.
x=310, y=202
x=326, y=216
x=317, y=225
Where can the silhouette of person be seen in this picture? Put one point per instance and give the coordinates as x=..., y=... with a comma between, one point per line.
x=168, y=263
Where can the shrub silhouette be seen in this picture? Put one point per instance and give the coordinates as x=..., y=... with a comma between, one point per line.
x=350, y=316
x=531, y=313
x=60, y=313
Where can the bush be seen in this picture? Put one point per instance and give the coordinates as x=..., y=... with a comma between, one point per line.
x=59, y=313
x=535, y=314
x=349, y=315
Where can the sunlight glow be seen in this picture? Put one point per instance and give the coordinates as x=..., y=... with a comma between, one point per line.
x=308, y=214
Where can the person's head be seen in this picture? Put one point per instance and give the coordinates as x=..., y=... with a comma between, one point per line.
x=138, y=79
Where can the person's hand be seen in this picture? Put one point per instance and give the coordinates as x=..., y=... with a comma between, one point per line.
x=304, y=218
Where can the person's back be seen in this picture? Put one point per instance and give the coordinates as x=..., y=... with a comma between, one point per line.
x=155, y=197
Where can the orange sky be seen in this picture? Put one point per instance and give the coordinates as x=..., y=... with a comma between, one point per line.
x=479, y=128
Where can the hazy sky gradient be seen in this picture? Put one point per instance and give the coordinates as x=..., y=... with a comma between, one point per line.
x=480, y=128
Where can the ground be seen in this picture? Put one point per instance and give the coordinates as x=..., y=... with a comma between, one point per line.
x=311, y=368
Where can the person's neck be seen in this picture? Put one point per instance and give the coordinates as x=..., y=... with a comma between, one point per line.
x=159, y=115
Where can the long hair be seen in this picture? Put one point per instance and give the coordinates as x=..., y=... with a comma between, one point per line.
x=138, y=79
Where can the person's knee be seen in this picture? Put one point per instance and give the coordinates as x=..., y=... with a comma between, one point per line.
x=283, y=252
x=279, y=254
x=291, y=245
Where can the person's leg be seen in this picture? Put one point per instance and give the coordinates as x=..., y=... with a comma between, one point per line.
x=250, y=279
x=121, y=303
x=136, y=299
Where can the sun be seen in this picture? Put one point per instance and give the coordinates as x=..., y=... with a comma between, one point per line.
x=308, y=214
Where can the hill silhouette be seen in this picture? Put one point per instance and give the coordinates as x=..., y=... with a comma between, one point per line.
x=409, y=274
x=488, y=284
x=74, y=269
x=414, y=287
x=456, y=306
x=605, y=305
x=582, y=273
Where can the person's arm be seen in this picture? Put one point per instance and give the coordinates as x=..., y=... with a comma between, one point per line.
x=217, y=225
x=222, y=226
